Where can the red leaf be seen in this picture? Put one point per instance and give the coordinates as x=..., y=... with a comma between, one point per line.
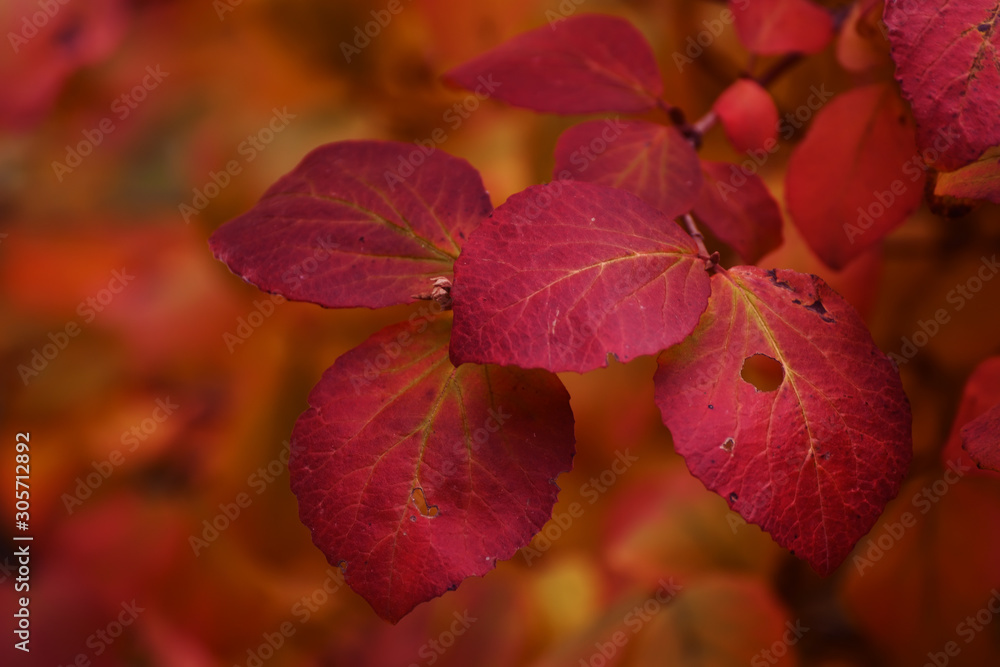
x=856, y=176
x=976, y=430
x=745, y=216
x=584, y=64
x=748, y=116
x=772, y=27
x=815, y=460
x=981, y=439
x=357, y=223
x=413, y=474
x=567, y=273
x=979, y=180
x=860, y=43
x=946, y=61
x=652, y=161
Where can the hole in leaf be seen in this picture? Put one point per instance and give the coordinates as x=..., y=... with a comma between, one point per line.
x=429, y=511
x=763, y=372
x=728, y=445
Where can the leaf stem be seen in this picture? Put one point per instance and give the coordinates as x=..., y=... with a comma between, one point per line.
x=711, y=261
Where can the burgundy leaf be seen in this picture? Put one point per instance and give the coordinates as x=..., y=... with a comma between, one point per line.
x=584, y=64
x=565, y=274
x=357, y=223
x=948, y=66
x=981, y=439
x=413, y=474
x=652, y=161
x=814, y=457
x=740, y=210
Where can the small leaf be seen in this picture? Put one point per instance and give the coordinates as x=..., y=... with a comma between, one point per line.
x=774, y=27
x=814, y=461
x=947, y=64
x=652, y=161
x=584, y=64
x=856, y=176
x=357, y=223
x=740, y=210
x=977, y=424
x=565, y=274
x=860, y=43
x=413, y=474
x=981, y=439
x=979, y=180
x=748, y=116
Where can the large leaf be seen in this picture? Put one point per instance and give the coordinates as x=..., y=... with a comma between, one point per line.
x=357, y=223
x=652, y=161
x=584, y=64
x=979, y=180
x=739, y=209
x=947, y=63
x=748, y=116
x=814, y=461
x=565, y=274
x=413, y=474
x=771, y=27
x=856, y=176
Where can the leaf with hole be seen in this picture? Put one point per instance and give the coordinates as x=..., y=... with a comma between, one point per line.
x=815, y=453
x=652, y=161
x=357, y=223
x=583, y=64
x=413, y=474
x=856, y=176
x=565, y=274
x=948, y=66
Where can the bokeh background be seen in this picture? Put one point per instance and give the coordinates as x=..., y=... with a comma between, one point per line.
x=158, y=387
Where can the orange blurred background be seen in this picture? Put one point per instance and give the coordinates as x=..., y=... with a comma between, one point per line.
x=159, y=390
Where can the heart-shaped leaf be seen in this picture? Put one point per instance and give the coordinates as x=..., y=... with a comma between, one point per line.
x=565, y=274
x=413, y=474
x=584, y=64
x=813, y=460
x=357, y=223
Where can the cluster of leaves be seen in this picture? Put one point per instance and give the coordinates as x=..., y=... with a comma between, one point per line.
x=431, y=450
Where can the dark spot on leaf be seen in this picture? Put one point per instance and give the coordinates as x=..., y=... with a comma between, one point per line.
x=763, y=372
x=361, y=239
x=773, y=273
x=797, y=302
x=983, y=28
x=711, y=407
x=818, y=307
x=733, y=497
x=728, y=445
x=429, y=511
